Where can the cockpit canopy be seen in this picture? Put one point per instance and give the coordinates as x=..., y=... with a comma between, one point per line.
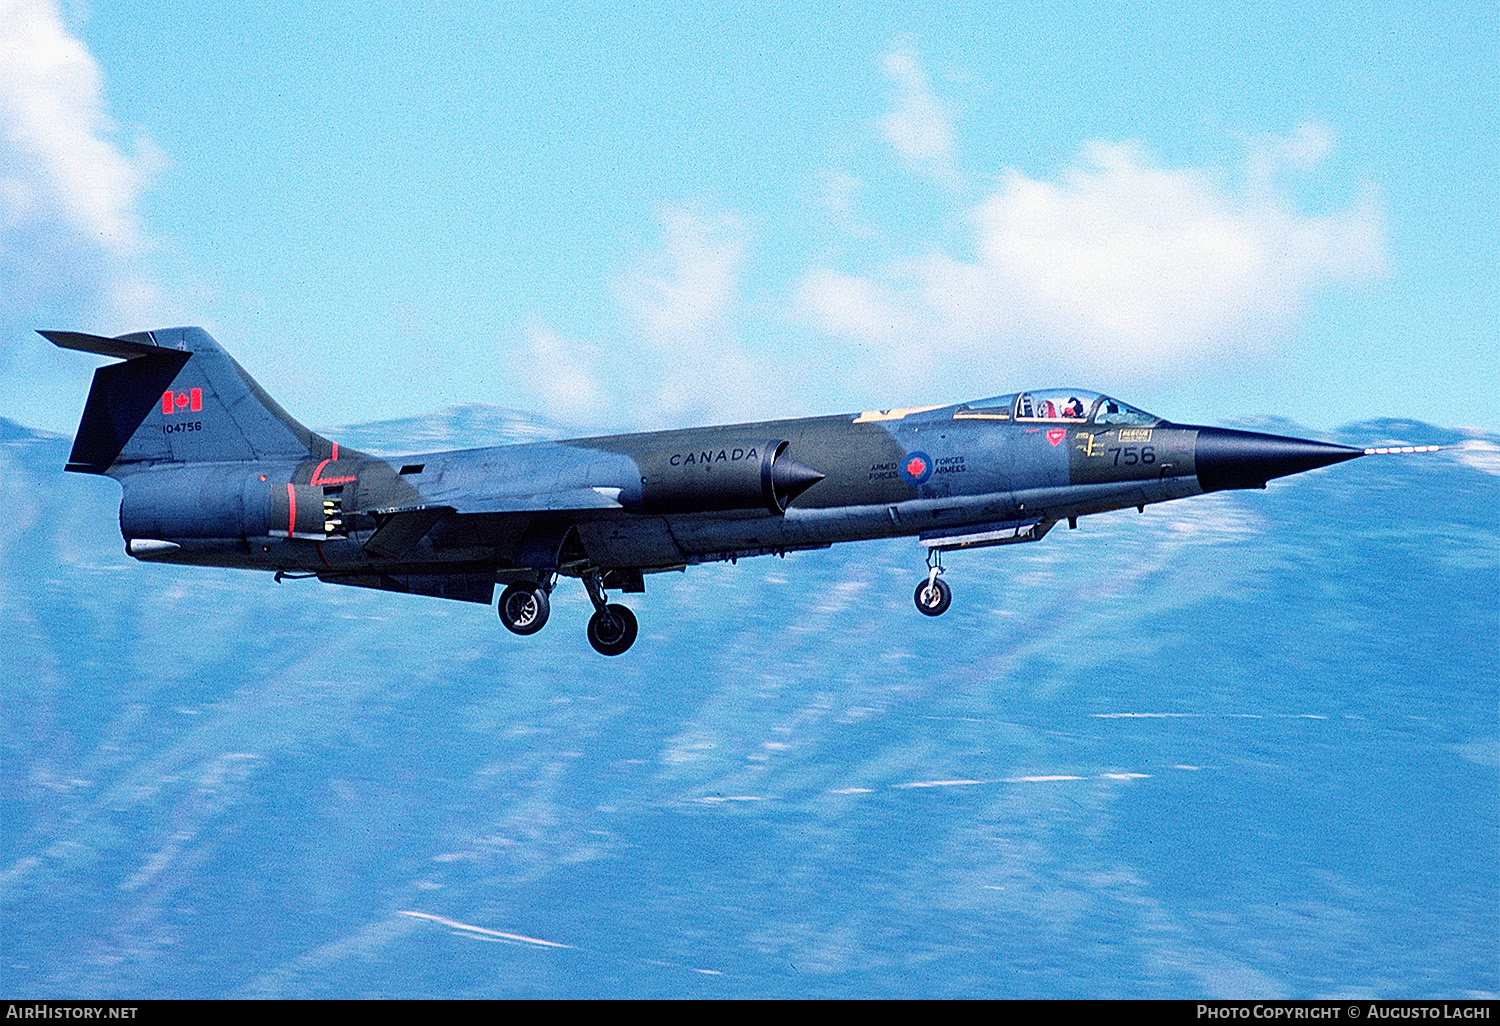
x=1056, y=405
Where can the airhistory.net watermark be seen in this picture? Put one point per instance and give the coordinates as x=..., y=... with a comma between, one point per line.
x=46, y=1010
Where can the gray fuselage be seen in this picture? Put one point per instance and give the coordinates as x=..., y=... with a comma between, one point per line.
x=657, y=500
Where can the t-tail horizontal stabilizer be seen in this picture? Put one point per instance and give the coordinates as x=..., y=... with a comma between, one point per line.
x=124, y=348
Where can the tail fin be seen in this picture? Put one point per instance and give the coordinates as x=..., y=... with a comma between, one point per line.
x=177, y=398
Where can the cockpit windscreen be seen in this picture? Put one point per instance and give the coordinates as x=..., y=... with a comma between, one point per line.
x=1112, y=411
x=1066, y=405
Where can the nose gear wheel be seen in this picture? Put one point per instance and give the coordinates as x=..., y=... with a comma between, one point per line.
x=934, y=597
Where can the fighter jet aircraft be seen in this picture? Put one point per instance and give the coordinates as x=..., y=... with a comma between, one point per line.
x=215, y=473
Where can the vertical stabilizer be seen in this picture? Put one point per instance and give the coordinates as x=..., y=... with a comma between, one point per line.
x=177, y=398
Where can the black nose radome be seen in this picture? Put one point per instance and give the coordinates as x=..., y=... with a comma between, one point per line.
x=1247, y=459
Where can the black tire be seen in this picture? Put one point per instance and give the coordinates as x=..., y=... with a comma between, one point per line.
x=612, y=630
x=934, y=601
x=524, y=607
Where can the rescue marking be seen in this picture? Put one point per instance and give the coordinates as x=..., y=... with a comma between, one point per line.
x=1055, y=435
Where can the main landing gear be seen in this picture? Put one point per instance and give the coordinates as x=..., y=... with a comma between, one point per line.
x=933, y=596
x=612, y=628
x=524, y=607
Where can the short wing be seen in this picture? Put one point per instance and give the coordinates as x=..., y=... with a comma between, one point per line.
x=402, y=529
x=574, y=500
x=462, y=587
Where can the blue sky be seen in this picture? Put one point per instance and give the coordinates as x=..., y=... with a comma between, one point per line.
x=665, y=214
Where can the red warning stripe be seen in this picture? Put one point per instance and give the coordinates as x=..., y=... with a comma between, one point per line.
x=317, y=474
x=319, y=479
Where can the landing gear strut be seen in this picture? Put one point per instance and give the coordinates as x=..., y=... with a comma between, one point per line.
x=524, y=606
x=612, y=628
x=933, y=596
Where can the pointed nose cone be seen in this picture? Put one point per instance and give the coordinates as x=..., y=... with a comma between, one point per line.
x=790, y=479
x=1246, y=459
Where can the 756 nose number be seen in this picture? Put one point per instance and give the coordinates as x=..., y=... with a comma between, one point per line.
x=1129, y=455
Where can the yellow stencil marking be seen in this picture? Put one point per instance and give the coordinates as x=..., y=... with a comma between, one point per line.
x=870, y=416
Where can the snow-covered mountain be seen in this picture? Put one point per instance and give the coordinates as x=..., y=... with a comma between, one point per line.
x=1240, y=745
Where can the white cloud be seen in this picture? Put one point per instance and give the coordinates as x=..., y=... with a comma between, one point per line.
x=684, y=302
x=919, y=128
x=1117, y=262
x=1308, y=146
x=68, y=193
x=679, y=358
x=565, y=383
x=685, y=289
x=838, y=192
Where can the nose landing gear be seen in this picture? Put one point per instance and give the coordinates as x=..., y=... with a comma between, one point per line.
x=933, y=596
